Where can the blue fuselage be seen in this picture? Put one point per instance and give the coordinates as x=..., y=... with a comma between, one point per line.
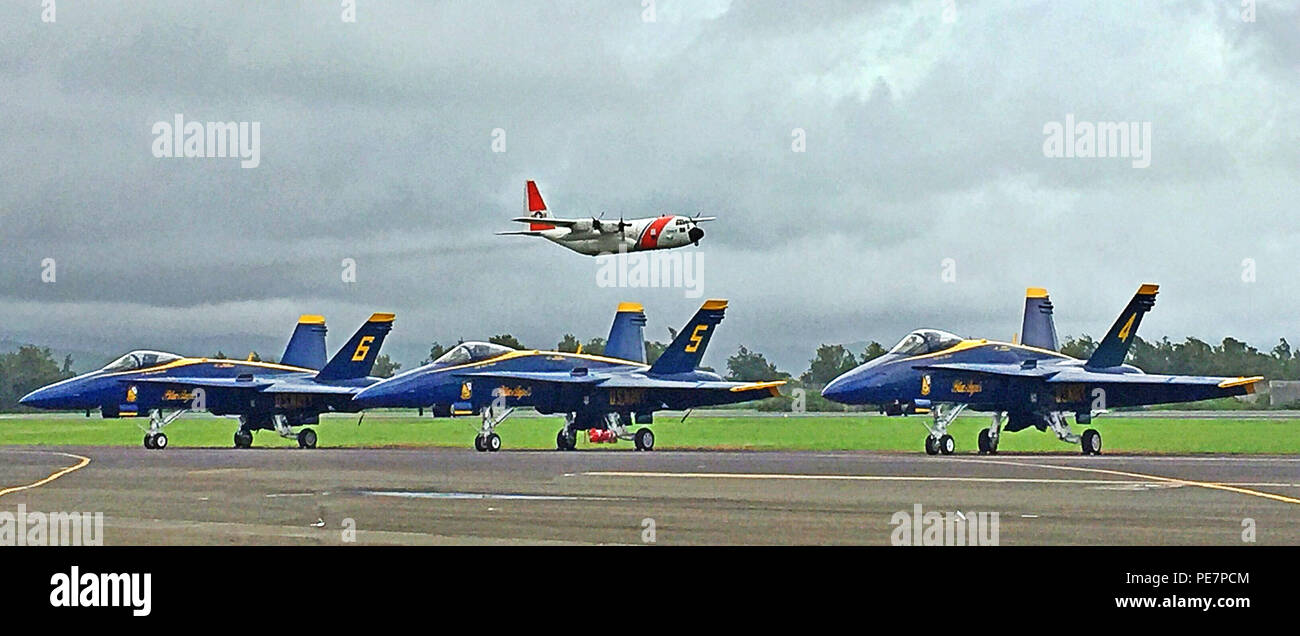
x=125, y=393
x=455, y=388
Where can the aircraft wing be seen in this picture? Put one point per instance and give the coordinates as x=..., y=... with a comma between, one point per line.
x=547, y=220
x=554, y=377
x=207, y=383
x=315, y=388
x=677, y=393
x=263, y=386
x=1006, y=370
x=642, y=382
x=1077, y=376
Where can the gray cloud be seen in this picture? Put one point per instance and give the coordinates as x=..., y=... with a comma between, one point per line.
x=924, y=143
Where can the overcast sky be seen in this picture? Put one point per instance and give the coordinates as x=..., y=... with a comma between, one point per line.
x=924, y=126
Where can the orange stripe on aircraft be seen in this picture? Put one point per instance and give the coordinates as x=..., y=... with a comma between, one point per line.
x=650, y=236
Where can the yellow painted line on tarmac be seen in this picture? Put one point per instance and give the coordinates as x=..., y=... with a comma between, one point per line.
x=55, y=475
x=217, y=471
x=1122, y=473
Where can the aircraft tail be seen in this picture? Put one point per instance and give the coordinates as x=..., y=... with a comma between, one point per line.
x=687, y=349
x=1112, y=349
x=306, y=346
x=627, y=334
x=536, y=207
x=357, y=357
x=1038, y=329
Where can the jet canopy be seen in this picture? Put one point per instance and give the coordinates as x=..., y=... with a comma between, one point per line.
x=923, y=341
x=467, y=352
x=140, y=360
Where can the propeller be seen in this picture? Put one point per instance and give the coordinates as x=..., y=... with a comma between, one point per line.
x=696, y=232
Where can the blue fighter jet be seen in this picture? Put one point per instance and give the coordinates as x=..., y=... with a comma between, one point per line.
x=265, y=396
x=604, y=395
x=1028, y=384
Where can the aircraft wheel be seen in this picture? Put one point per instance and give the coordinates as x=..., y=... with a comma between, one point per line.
x=493, y=442
x=931, y=446
x=148, y=441
x=307, y=438
x=947, y=445
x=243, y=439
x=1091, y=442
x=480, y=444
x=566, y=440
x=644, y=440
x=985, y=442
x=160, y=441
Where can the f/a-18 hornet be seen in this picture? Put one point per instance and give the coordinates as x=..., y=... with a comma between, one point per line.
x=1030, y=384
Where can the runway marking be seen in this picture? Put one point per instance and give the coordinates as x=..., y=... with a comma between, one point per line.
x=1173, y=480
x=991, y=480
x=55, y=475
x=217, y=471
x=479, y=495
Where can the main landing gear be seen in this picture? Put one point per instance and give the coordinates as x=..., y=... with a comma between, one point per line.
x=988, y=438
x=566, y=439
x=1091, y=442
x=154, y=438
x=939, y=441
x=487, y=440
x=305, y=436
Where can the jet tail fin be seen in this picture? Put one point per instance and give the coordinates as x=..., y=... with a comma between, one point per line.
x=306, y=346
x=1112, y=349
x=627, y=334
x=687, y=349
x=357, y=358
x=536, y=207
x=1038, y=329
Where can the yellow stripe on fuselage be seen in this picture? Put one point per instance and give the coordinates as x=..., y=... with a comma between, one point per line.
x=966, y=345
x=524, y=354
x=185, y=362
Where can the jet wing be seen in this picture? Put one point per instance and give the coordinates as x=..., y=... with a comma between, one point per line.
x=209, y=383
x=642, y=382
x=626, y=381
x=1006, y=370
x=263, y=386
x=315, y=388
x=555, y=377
x=1076, y=376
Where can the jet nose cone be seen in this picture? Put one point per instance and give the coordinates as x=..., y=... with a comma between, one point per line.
x=44, y=398
x=695, y=234
x=838, y=389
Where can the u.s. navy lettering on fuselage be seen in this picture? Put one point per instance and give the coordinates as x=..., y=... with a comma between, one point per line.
x=92, y=589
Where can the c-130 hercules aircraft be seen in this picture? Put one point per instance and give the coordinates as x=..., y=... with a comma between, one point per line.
x=1030, y=384
x=595, y=236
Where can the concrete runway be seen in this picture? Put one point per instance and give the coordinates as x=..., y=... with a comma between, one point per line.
x=183, y=496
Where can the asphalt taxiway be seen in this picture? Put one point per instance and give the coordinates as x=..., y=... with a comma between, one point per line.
x=187, y=496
